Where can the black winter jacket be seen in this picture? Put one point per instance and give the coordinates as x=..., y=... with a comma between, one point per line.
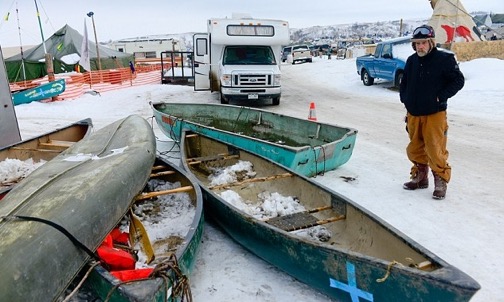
x=428, y=79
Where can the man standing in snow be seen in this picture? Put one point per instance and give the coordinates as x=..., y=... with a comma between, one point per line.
x=132, y=67
x=431, y=77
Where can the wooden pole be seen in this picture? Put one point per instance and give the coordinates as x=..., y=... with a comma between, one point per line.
x=148, y=195
x=91, y=14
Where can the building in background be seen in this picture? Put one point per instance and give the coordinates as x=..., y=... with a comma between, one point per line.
x=148, y=47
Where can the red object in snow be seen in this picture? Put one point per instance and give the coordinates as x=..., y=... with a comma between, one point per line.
x=130, y=275
x=116, y=259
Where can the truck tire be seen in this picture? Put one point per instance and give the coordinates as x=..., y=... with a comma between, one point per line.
x=223, y=100
x=398, y=79
x=367, y=80
x=276, y=101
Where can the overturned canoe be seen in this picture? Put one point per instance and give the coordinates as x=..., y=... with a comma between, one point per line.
x=314, y=234
x=52, y=221
x=40, y=149
x=42, y=92
x=175, y=251
x=307, y=147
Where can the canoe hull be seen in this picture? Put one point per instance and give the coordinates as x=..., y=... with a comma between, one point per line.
x=155, y=290
x=362, y=250
x=42, y=92
x=45, y=146
x=307, y=147
x=86, y=190
x=330, y=271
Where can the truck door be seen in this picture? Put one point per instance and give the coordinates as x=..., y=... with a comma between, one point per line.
x=386, y=64
x=201, y=62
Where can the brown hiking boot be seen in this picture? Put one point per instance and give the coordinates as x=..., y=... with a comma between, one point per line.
x=419, y=178
x=440, y=186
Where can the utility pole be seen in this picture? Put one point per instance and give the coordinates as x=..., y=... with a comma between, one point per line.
x=91, y=14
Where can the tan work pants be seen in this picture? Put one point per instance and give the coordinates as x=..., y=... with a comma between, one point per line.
x=428, y=136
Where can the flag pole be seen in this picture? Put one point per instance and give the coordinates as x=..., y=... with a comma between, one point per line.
x=48, y=57
x=21, y=46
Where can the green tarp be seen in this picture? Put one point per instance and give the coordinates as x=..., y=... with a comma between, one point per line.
x=65, y=47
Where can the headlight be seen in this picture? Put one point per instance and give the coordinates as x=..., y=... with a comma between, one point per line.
x=226, y=80
x=276, y=79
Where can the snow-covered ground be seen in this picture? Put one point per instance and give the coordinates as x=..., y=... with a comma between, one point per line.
x=465, y=229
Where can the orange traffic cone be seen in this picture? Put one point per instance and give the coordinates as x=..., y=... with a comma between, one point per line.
x=312, y=116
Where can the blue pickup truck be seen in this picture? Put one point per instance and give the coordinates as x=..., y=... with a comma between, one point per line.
x=387, y=63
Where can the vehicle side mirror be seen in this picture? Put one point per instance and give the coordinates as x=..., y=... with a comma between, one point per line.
x=387, y=56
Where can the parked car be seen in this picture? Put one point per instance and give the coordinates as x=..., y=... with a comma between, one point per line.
x=299, y=53
x=386, y=63
x=286, y=51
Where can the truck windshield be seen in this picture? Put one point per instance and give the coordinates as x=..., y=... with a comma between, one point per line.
x=248, y=55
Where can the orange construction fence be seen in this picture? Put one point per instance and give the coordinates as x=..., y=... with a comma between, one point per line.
x=98, y=80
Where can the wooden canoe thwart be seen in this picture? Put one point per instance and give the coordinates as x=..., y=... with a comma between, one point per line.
x=85, y=190
x=306, y=147
x=247, y=181
x=174, y=253
x=148, y=195
x=162, y=173
x=198, y=160
x=39, y=149
x=315, y=234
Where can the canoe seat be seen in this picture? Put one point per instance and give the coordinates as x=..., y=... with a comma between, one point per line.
x=56, y=144
x=299, y=221
x=292, y=222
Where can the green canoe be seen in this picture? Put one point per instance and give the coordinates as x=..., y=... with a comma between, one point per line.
x=327, y=241
x=41, y=92
x=58, y=214
x=185, y=229
x=305, y=146
x=42, y=148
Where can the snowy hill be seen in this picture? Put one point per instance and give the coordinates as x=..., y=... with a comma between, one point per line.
x=329, y=34
x=356, y=31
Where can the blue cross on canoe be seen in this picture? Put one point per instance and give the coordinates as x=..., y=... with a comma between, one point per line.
x=351, y=287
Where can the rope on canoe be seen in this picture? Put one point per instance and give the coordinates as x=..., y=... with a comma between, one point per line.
x=181, y=286
x=81, y=282
x=60, y=228
x=172, y=135
x=316, y=162
x=387, y=274
x=171, y=273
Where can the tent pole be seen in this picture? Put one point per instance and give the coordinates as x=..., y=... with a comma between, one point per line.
x=21, y=46
x=48, y=57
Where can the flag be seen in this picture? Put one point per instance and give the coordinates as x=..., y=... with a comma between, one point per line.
x=84, y=55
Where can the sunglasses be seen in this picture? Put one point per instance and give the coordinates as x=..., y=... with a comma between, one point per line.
x=423, y=31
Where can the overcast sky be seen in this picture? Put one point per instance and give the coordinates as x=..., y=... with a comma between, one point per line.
x=116, y=19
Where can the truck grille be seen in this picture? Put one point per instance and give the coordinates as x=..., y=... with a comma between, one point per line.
x=252, y=80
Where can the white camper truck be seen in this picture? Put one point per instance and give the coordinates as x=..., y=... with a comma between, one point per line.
x=240, y=58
